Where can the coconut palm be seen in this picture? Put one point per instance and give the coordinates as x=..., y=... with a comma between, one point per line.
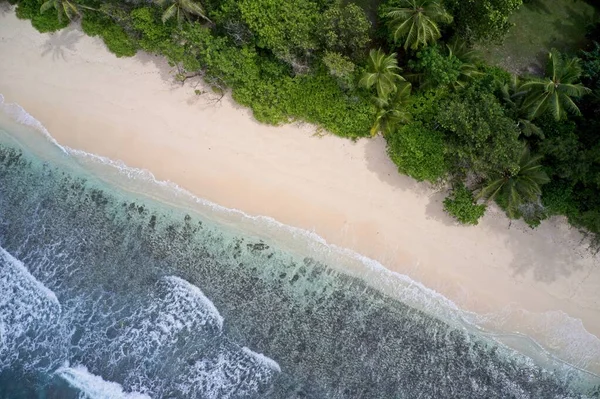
x=382, y=73
x=64, y=8
x=182, y=10
x=555, y=92
x=416, y=22
x=468, y=58
x=514, y=100
x=520, y=186
x=392, y=111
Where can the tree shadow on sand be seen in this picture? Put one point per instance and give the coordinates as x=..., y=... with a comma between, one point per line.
x=567, y=246
x=382, y=166
x=60, y=44
x=551, y=252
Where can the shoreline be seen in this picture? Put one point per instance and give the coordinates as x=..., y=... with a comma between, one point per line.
x=348, y=193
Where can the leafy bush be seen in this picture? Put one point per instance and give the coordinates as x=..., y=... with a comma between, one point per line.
x=461, y=204
x=345, y=30
x=481, y=137
x=115, y=38
x=418, y=151
x=436, y=69
x=341, y=68
x=154, y=34
x=118, y=42
x=482, y=20
x=287, y=28
x=46, y=22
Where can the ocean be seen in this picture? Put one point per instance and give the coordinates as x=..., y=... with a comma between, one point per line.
x=115, y=285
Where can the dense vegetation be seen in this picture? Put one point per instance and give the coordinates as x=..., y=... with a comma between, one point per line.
x=528, y=142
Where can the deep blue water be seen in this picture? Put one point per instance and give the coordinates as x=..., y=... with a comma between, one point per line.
x=107, y=294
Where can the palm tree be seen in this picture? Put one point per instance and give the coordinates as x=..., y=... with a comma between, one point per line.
x=392, y=111
x=182, y=10
x=416, y=22
x=468, y=58
x=514, y=99
x=382, y=73
x=555, y=91
x=519, y=187
x=64, y=8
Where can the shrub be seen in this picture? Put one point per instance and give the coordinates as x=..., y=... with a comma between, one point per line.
x=46, y=22
x=461, y=204
x=418, y=151
x=115, y=38
x=118, y=42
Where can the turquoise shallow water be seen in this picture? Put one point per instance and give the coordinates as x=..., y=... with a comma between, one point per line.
x=107, y=293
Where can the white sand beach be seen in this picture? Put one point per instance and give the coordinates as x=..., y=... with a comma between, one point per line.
x=351, y=194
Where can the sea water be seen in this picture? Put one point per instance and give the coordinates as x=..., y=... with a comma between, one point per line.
x=111, y=293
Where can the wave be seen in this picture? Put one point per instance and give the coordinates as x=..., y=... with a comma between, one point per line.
x=20, y=115
x=262, y=359
x=27, y=310
x=95, y=387
x=401, y=286
x=182, y=289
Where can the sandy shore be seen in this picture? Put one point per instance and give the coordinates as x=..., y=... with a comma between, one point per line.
x=349, y=193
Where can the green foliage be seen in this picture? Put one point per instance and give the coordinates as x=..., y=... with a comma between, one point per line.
x=345, y=30
x=436, y=69
x=114, y=36
x=415, y=22
x=341, y=68
x=382, y=73
x=461, y=204
x=425, y=106
x=482, y=139
x=155, y=36
x=482, y=20
x=314, y=98
x=590, y=66
x=118, y=42
x=392, y=111
x=286, y=27
x=181, y=10
x=46, y=22
x=418, y=152
x=556, y=91
x=65, y=9
x=520, y=186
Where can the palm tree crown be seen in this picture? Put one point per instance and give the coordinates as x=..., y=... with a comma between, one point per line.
x=182, y=10
x=416, y=22
x=555, y=91
x=392, y=111
x=520, y=186
x=382, y=73
x=64, y=8
x=514, y=96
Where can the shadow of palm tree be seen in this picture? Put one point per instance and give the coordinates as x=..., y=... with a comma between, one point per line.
x=59, y=44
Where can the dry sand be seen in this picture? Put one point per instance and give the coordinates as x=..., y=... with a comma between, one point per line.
x=349, y=193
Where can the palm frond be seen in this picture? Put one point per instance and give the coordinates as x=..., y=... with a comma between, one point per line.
x=170, y=12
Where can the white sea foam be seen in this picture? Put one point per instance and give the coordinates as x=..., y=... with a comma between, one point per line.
x=262, y=359
x=16, y=267
x=187, y=291
x=27, y=309
x=18, y=114
x=404, y=288
x=95, y=387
